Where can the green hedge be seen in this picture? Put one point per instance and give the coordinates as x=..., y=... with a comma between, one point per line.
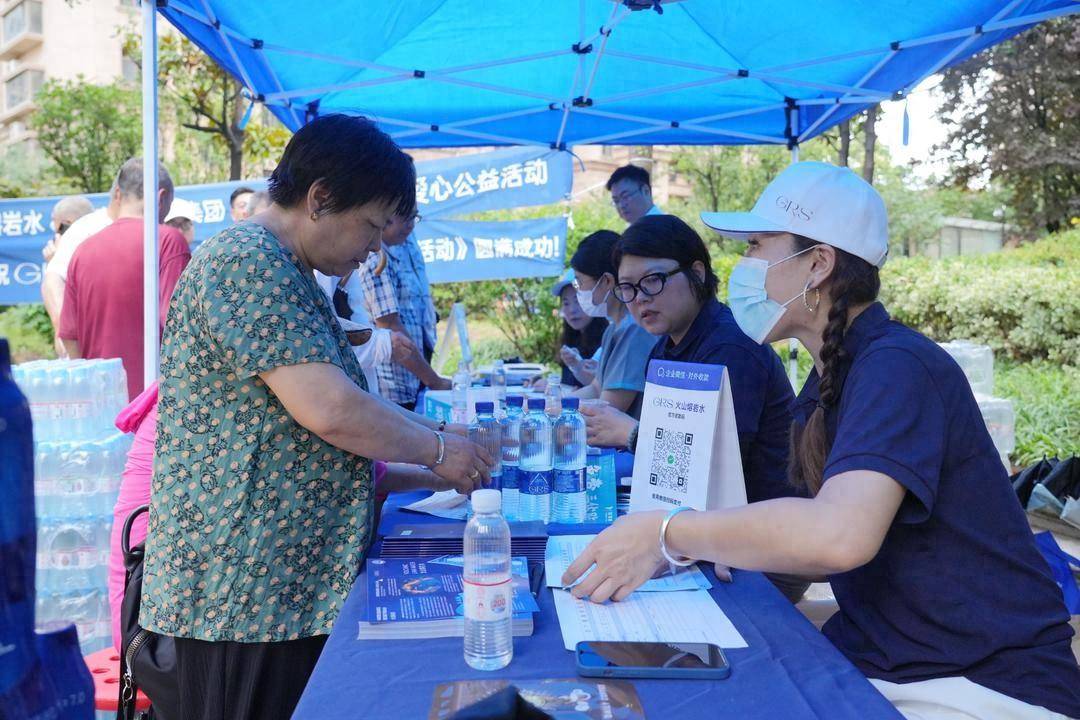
x=1022, y=302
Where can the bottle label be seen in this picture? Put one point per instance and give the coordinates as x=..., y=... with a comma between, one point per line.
x=570, y=481
x=510, y=477
x=535, y=482
x=486, y=603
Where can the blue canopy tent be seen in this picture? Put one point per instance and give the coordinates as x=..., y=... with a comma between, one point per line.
x=438, y=73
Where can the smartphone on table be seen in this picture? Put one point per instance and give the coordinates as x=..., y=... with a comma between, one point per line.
x=620, y=659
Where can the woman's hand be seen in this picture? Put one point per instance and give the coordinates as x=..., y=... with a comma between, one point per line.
x=586, y=371
x=464, y=462
x=625, y=556
x=607, y=427
x=458, y=429
x=570, y=357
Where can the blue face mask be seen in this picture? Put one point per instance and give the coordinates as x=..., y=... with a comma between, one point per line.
x=755, y=313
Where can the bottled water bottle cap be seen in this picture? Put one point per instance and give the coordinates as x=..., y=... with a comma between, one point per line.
x=570, y=403
x=515, y=400
x=485, y=407
x=486, y=501
x=537, y=403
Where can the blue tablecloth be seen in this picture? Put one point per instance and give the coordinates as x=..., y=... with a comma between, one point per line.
x=789, y=669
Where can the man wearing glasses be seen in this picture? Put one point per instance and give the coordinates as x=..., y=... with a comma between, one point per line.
x=631, y=193
x=397, y=295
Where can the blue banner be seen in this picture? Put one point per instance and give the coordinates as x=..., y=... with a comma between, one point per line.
x=516, y=177
x=457, y=250
x=26, y=226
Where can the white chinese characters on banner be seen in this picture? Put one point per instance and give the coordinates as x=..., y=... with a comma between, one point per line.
x=455, y=248
x=515, y=175
x=16, y=222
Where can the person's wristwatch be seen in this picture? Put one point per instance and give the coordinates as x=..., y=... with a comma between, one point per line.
x=631, y=439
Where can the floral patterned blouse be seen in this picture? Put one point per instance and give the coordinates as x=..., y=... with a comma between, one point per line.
x=257, y=527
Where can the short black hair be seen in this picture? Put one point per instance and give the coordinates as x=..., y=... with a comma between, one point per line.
x=668, y=237
x=634, y=173
x=356, y=162
x=242, y=190
x=593, y=256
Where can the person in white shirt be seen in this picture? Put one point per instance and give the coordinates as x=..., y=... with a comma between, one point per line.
x=372, y=345
x=52, y=285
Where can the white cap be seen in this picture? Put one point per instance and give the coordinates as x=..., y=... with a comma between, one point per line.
x=183, y=208
x=820, y=201
x=486, y=501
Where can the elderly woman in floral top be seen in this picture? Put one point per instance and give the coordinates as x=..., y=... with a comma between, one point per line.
x=262, y=488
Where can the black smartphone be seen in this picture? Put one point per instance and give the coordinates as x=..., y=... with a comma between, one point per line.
x=651, y=660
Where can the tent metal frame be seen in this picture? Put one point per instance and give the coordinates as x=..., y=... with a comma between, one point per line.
x=576, y=102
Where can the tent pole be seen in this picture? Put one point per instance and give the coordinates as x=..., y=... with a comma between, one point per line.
x=792, y=343
x=150, y=192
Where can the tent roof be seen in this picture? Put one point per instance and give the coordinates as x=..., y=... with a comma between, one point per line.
x=565, y=72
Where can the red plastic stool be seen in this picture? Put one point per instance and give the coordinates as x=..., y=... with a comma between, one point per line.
x=105, y=669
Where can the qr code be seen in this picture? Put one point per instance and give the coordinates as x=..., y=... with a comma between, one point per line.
x=670, y=460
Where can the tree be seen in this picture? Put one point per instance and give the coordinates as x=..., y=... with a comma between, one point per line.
x=869, y=143
x=87, y=130
x=1013, y=116
x=206, y=98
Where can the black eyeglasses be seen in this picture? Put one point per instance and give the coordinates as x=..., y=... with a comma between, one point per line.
x=650, y=286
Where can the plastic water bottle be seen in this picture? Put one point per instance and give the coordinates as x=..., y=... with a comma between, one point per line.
x=534, y=497
x=511, y=456
x=553, y=395
x=569, y=502
x=489, y=600
x=498, y=387
x=487, y=433
x=459, y=394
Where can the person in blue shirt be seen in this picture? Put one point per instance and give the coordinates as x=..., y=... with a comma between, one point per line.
x=944, y=600
x=667, y=283
x=625, y=346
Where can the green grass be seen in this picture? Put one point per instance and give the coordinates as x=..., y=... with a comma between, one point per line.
x=28, y=332
x=1046, y=398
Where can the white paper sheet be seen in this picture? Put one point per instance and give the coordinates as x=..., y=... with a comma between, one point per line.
x=671, y=617
x=563, y=549
x=446, y=504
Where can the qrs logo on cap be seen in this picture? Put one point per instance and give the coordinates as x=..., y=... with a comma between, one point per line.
x=793, y=208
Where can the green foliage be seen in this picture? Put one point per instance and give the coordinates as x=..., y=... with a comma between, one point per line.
x=28, y=331
x=87, y=130
x=1047, y=402
x=1013, y=115
x=1023, y=303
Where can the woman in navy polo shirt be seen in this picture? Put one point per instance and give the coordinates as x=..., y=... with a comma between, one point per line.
x=944, y=601
x=666, y=281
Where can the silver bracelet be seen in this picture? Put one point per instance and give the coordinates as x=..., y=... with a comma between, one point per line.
x=663, y=544
x=441, y=455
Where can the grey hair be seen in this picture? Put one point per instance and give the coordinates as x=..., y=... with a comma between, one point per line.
x=130, y=178
x=69, y=209
x=258, y=201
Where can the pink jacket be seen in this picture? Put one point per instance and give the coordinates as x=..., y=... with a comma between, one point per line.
x=140, y=417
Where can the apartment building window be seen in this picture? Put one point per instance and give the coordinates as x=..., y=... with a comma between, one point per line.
x=24, y=17
x=22, y=88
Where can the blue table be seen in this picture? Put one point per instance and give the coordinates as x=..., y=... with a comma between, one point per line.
x=789, y=669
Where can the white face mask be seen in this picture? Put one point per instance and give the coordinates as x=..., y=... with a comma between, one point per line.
x=596, y=310
x=756, y=313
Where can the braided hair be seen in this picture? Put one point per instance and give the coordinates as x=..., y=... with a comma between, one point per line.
x=853, y=281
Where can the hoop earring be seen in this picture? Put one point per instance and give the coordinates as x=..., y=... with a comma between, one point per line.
x=817, y=297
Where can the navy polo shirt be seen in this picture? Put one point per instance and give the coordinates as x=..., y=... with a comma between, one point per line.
x=958, y=587
x=760, y=392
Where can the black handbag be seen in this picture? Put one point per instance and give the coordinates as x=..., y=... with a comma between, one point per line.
x=147, y=660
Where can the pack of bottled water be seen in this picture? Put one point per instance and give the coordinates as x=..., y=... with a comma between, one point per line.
x=79, y=456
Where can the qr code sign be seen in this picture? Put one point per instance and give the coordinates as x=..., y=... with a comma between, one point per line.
x=670, y=460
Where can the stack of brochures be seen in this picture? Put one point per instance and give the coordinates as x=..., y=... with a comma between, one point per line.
x=527, y=539
x=412, y=598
